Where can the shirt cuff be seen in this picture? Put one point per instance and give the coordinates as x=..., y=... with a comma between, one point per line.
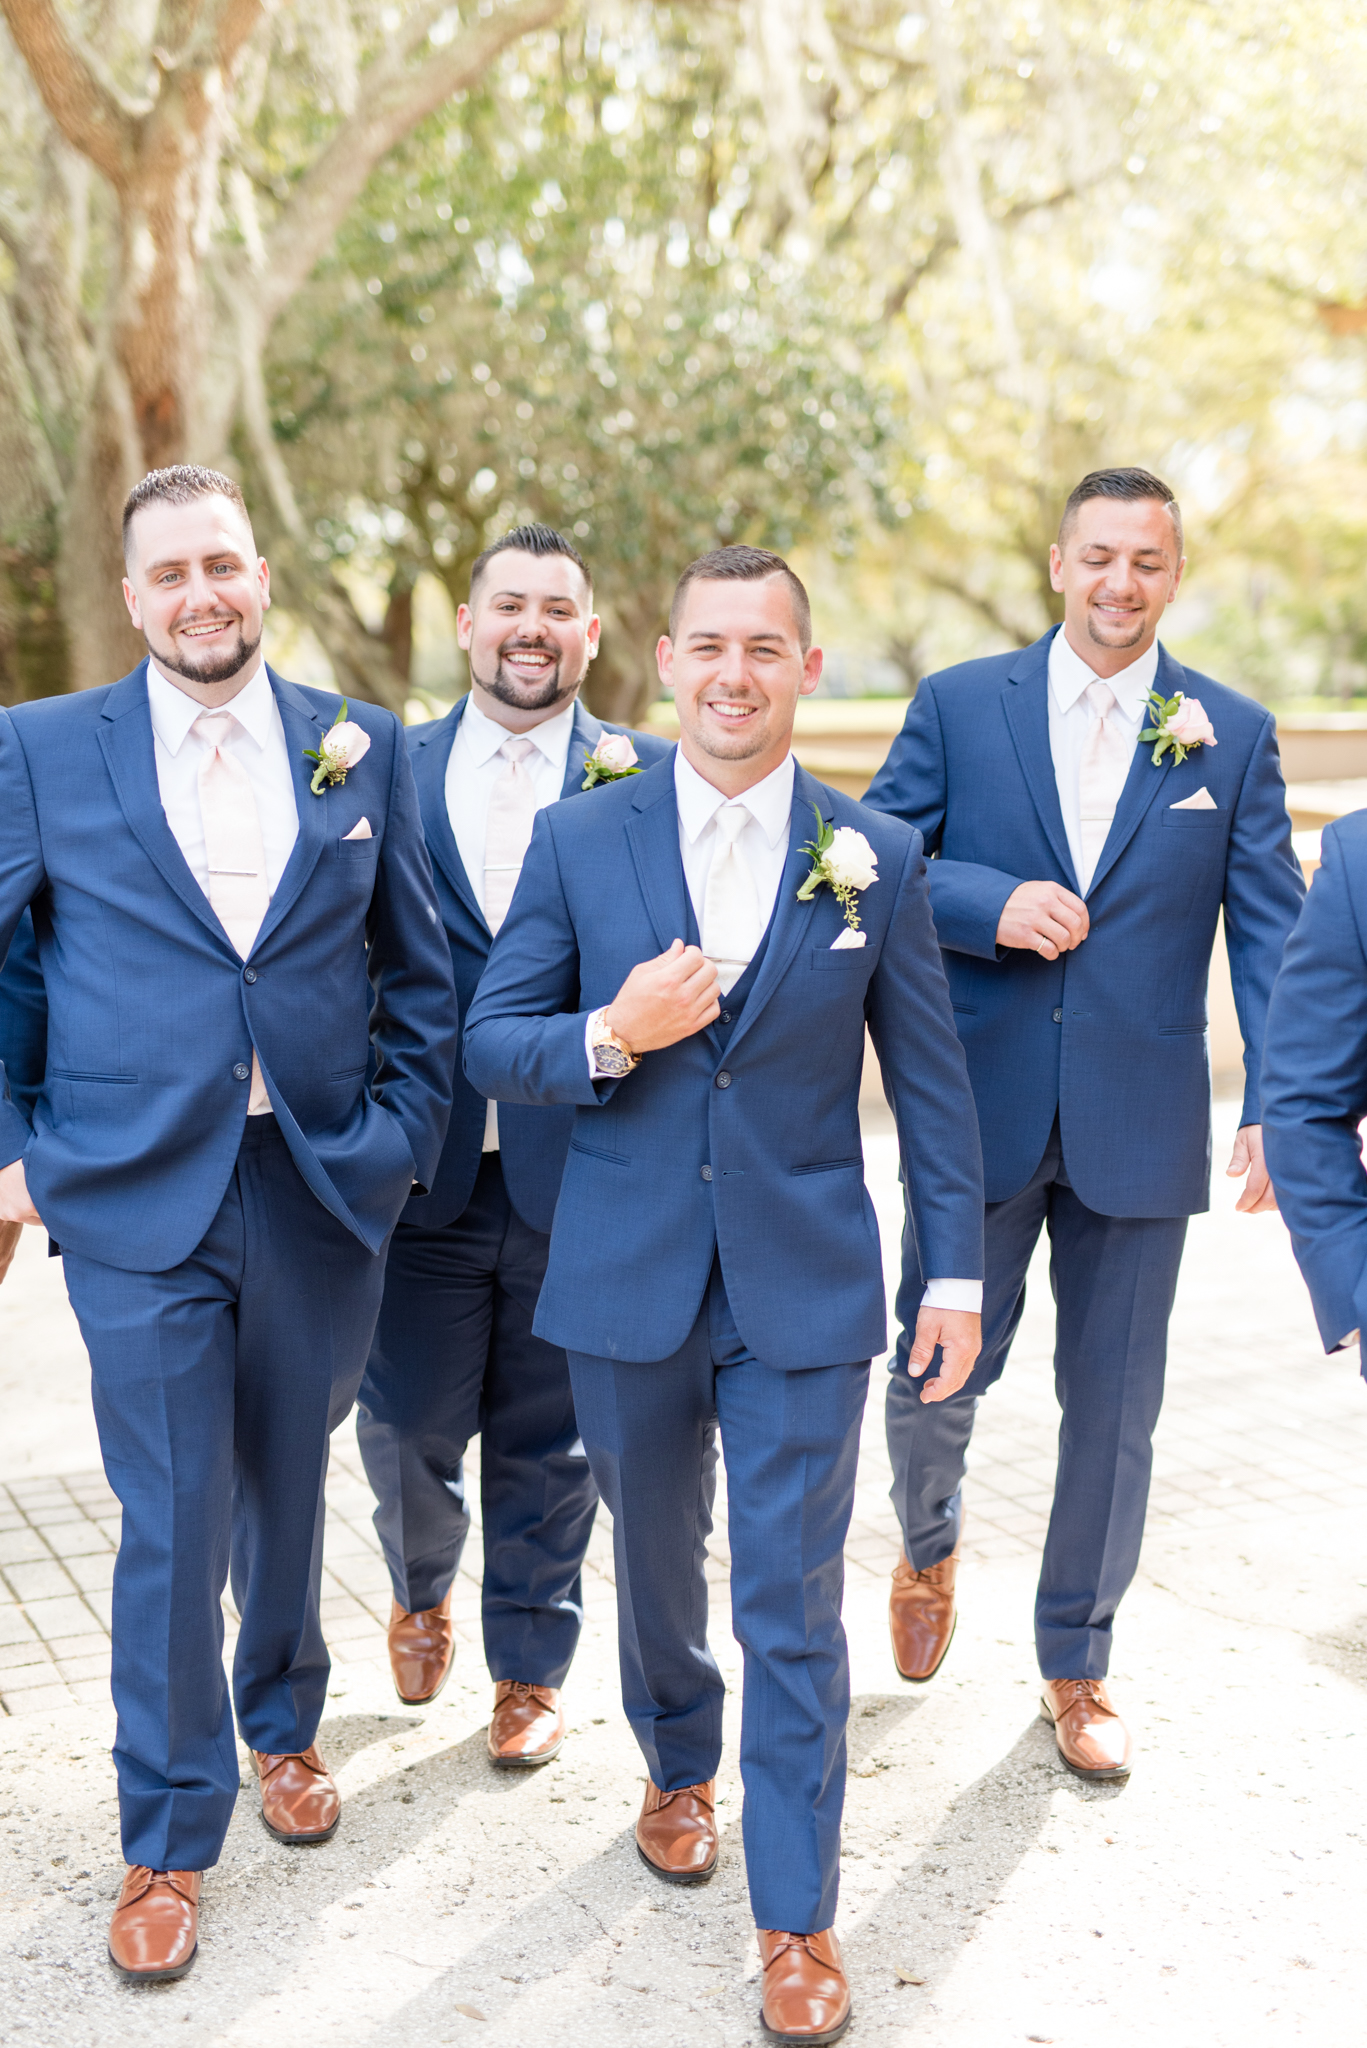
x=591, y=1023
x=966, y=1294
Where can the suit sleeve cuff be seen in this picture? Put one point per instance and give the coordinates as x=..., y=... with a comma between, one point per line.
x=962, y=1294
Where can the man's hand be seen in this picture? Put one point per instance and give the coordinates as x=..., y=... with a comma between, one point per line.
x=10, y=1234
x=665, y=999
x=15, y=1206
x=1043, y=918
x=1258, y=1195
x=959, y=1332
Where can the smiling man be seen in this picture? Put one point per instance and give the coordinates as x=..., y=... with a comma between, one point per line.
x=455, y=1355
x=246, y=1071
x=1087, y=837
x=671, y=969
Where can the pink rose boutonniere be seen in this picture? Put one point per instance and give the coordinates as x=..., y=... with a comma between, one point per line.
x=612, y=758
x=1180, y=723
x=341, y=747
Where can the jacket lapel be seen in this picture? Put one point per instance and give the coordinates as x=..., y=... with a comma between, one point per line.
x=584, y=737
x=1025, y=700
x=653, y=837
x=430, y=760
x=303, y=729
x=1143, y=782
x=125, y=737
x=791, y=919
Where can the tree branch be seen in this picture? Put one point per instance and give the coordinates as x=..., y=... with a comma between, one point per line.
x=951, y=585
x=91, y=113
x=393, y=100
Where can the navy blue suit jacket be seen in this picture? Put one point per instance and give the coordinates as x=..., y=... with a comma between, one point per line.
x=752, y=1151
x=23, y=1019
x=1111, y=1038
x=532, y=1142
x=152, y=1014
x=1315, y=1084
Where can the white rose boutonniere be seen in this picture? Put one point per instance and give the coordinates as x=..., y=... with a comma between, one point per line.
x=341, y=747
x=612, y=758
x=1180, y=723
x=843, y=859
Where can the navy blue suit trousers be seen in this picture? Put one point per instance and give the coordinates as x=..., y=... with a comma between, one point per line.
x=455, y=1356
x=1114, y=1279
x=216, y=1385
x=791, y=1441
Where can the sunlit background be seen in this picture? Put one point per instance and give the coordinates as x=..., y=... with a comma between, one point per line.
x=867, y=285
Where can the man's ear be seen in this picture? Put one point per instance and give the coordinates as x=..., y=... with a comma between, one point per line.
x=130, y=598
x=1055, y=567
x=465, y=625
x=664, y=660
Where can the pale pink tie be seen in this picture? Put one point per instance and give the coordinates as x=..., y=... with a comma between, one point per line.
x=508, y=833
x=1105, y=764
x=238, y=890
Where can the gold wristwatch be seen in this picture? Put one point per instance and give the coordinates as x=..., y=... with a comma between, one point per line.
x=612, y=1056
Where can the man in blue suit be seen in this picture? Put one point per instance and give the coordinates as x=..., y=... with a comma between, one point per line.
x=234, y=909
x=454, y=1350
x=673, y=968
x=1315, y=1085
x=1086, y=839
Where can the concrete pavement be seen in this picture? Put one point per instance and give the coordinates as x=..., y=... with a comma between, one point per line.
x=987, y=1896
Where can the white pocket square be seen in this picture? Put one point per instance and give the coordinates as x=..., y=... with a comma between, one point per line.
x=848, y=940
x=1202, y=801
x=360, y=831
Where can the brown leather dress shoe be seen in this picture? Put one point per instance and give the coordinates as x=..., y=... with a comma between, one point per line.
x=527, y=1728
x=154, y=1933
x=677, y=1833
x=422, y=1649
x=922, y=1617
x=300, y=1803
x=806, y=1993
x=1092, y=1739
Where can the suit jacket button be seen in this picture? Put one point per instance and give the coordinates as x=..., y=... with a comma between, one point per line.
x=723, y=1079
x=249, y=974
x=1058, y=1016
x=242, y=1072
x=706, y=1172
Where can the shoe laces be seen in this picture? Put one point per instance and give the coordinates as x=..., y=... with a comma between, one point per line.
x=1085, y=1689
x=784, y=1942
x=698, y=1792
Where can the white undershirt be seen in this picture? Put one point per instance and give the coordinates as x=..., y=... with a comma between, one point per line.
x=473, y=766
x=1071, y=718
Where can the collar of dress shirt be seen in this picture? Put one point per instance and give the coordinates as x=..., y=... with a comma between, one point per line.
x=1069, y=676
x=174, y=712
x=770, y=803
x=484, y=735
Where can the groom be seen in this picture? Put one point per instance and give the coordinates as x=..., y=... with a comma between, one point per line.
x=1077, y=889
x=229, y=930
x=455, y=1354
x=671, y=968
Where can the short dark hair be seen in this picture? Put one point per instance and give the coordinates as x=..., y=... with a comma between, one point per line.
x=1120, y=483
x=744, y=565
x=179, y=485
x=531, y=540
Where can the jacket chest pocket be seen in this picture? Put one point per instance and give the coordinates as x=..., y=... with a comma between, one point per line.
x=854, y=963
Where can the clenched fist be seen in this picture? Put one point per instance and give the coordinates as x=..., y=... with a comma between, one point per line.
x=666, y=999
x=1043, y=918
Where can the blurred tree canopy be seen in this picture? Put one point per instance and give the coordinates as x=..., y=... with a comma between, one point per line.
x=829, y=275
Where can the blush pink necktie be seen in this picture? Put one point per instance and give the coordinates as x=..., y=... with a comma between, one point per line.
x=508, y=833
x=238, y=891
x=1105, y=765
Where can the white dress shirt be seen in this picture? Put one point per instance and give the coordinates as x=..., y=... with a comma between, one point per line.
x=256, y=740
x=473, y=767
x=1071, y=718
x=764, y=843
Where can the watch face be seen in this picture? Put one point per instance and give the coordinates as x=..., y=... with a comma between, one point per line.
x=610, y=1059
